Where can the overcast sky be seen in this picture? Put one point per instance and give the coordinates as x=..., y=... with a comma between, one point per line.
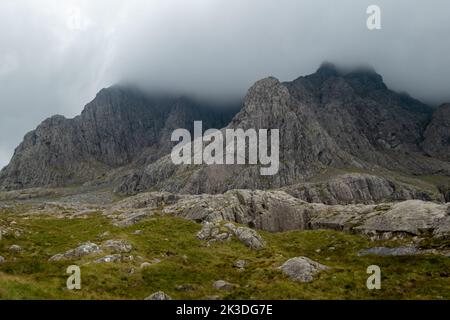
x=56, y=54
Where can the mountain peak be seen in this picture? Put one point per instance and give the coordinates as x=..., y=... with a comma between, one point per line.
x=328, y=69
x=366, y=78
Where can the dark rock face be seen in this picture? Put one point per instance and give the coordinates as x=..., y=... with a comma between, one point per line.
x=120, y=126
x=327, y=119
x=360, y=188
x=437, y=135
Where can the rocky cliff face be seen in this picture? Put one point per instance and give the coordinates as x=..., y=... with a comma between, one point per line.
x=120, y=126
x=277, y=211
x=355, y=188
x=437, y=134
x=327, y=119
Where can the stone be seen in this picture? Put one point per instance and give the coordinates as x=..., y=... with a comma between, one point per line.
x=117, y=246
x=240, y=264
x=160, y=295
x=223, y=285
x=184, y=287
x=302, y=269
x=223, y=232
x=145, y=265
x=249, y=237
x=87, y=248
x=109, y=258
x=15, y=248
x=207, y=231
x=383, y=251
x=2, y=260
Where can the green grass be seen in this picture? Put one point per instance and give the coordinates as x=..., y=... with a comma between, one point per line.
x=187, y=261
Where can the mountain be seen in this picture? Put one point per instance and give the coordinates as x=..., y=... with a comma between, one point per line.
x=329, y=119
x=121, y=126
x=437, y=134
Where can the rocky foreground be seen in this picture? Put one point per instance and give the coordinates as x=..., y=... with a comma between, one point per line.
x=240, y=244
x=274, y=211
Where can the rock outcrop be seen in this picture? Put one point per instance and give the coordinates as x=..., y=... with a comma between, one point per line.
x=327, y=119
x=224, y=285
x=160, y=295
x=302, y=269
x=120, y=126
x=277, y=211
x=226, y=231
x=356, y=188
x=437, y=134
x=82, y=250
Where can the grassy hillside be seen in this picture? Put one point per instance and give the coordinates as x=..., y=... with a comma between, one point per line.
x=189, y=267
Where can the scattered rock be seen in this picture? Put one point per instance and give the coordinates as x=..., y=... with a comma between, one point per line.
x=127, y=258
x=240, y=264
x=184, y=287
x=2, y=260
x=208, y=231
x=383, y=251
x=117, y=246
x=109, y=258
x=223, y=232
x=160, y=295
x=57, y=257
x=137, y=232
x=302, y=269
x=84, y=249
x=15, y=248
x=250, y=238
x=147, y=264
x=223, y=285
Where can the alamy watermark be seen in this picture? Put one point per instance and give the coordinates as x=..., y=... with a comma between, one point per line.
x=228, y=146
x=374, y=20
x=74, y=280
x=374, y=280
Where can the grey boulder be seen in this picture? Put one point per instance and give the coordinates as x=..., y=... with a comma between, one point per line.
x=302, y=269
x=160, y=295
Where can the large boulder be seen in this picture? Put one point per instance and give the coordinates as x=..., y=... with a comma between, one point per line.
x=413, y=217
x=265, y=210
x=249, y=237
x=87, y=248
x=117, y=246
x=302, y=269
x=225, y=231
x=223, y=285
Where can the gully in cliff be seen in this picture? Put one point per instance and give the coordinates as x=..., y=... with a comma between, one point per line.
x=228, y=146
